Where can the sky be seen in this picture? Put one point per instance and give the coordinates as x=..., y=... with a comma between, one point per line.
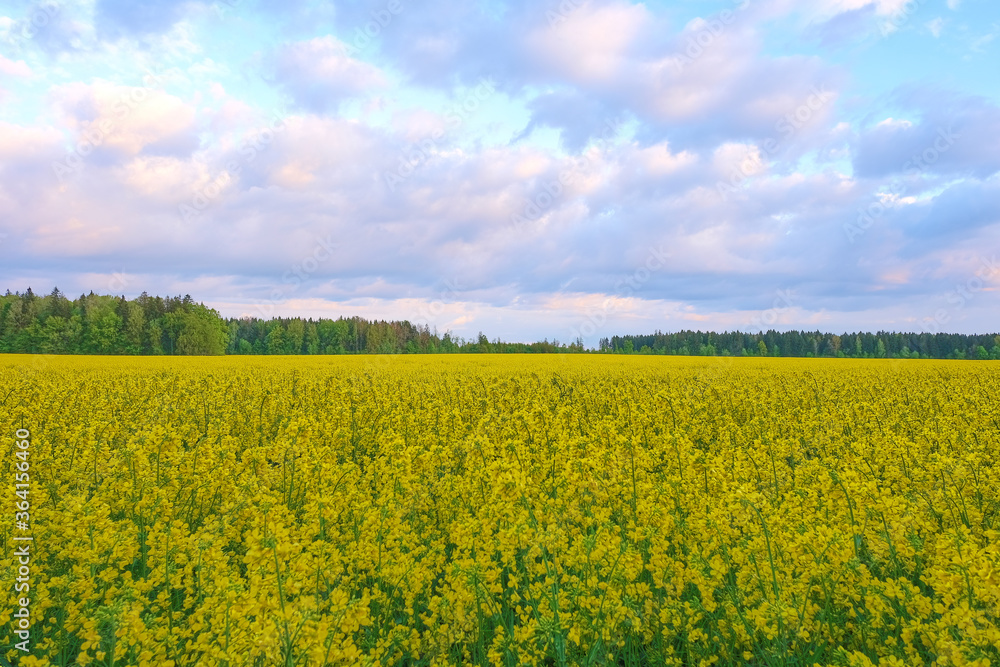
x=555, y=169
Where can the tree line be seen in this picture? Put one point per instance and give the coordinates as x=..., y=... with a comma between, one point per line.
x=860, y=345
x=94, y=324
x=148, y=325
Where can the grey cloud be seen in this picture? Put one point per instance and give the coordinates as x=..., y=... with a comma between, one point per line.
x=952, y=134
x=953, y=215
x=578, y=117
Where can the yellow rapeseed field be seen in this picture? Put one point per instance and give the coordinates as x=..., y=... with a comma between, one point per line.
x=505, y=510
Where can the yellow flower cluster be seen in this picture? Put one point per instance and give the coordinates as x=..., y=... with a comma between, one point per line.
x=507, y=510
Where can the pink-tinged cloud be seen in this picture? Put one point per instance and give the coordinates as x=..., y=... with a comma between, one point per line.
x=702, y=161
x=590, y=45
x=14, y=68
x=321, y=73
x=126, y=119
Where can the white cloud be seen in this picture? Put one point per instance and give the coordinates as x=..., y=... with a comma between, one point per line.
x=893, y=123
x=882, y=7
x=125, y=118
x=320, y=73
x=591, y=43
x=979, y=45
x=689, y=125
x=14, y=68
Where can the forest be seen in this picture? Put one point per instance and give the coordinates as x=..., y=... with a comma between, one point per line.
x=859, y=345
x=153, y=325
